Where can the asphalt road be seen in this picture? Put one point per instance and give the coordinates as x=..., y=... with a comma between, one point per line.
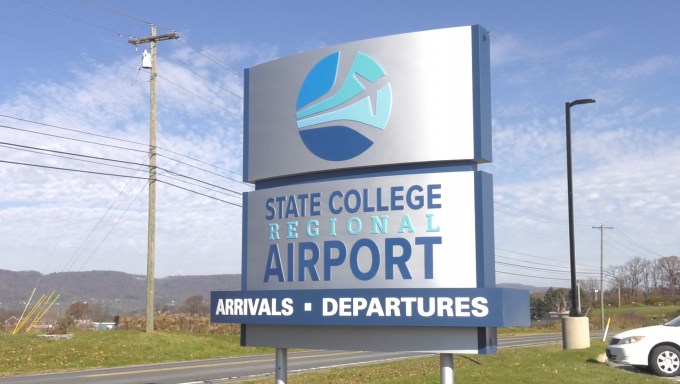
x=241, y=368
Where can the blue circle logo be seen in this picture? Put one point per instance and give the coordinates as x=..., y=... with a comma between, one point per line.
x=317, y=117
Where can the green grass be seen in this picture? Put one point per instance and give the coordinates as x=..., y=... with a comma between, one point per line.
x=542, y=364
x=23, y=354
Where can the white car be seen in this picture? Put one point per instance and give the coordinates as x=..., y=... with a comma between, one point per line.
x=654, y=348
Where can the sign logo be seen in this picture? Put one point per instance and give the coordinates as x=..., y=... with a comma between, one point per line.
x=317, y=120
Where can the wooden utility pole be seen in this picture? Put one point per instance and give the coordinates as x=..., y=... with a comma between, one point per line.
x=602, y=228
x=151, y=252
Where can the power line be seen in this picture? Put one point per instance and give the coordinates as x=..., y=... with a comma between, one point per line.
x=71, y=138
x=542, y=269
x=200, y=97
x=533, y=262
x=114, y=226
x=188, y=43
x=617, y=249
x=69, y=51
x=210, y=57
x=542, y=221
x=117, y=139
x=205, y=170
x=199, y=193
x=200, y=186
x=65, y=157
x=121, y=65
x=90, y=236
x=201, y=76
x=118, y=147
x=625, y=246
x=618, y=232
x=566, y=221
x=75, y=18
x=535, y=233
x=92, y=3
x=539, y=257
x=538, y=277
x=71, y=169
x=200, y=181
x=110, y=165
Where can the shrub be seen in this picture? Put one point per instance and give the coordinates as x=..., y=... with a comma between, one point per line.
x=181, y=323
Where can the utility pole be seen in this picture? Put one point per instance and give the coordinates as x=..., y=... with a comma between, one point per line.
x=602, y=228
x=619, y=297
x=151, y=252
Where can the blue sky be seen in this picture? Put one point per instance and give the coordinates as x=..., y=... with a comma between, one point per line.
x=622, y=53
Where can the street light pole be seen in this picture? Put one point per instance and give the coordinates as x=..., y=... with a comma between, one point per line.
x=575, y=311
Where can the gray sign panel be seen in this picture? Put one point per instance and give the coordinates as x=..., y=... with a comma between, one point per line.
x=412, y=98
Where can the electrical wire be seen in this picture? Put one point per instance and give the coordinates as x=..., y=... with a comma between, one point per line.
x=542, y=221
x=198, y=185
x=542, y=269
x=201, y=76
x=75, y=18
x=118, y=147
x=535, y=233
x=637, y=253
x=117, y=139
x=198, y=193
x=538, y=277
x=22, y=148
x=90, y=236
x=544, y=258
x=69, y=51
x=66, y=157
x=548, y=265
x=114, y=226
x=618, y=232
x=188, y=43
x=124, y=66
x=72, y=170
x=208, y=56
x=104, y=7
x=73, y=139
x=566, y=221
x=200, y=97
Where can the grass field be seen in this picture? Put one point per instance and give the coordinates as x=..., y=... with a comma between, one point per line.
x=22, y=354
x=654, y=311
x=543, y=364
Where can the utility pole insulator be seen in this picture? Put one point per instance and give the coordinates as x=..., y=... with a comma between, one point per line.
x=148, y=39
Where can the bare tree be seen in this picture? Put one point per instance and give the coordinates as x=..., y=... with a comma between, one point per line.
x=591, y=285
x=634, y=274
x=194, y=305
x=670, y=268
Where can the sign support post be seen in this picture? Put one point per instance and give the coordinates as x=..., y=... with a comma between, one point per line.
x=281, y=365
x=446, y=368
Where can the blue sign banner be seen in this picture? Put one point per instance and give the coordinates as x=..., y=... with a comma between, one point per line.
x=440, y=307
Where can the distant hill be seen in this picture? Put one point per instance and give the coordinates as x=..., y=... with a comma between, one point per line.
x=123, y=292
x=531, y=288
x=117, y=290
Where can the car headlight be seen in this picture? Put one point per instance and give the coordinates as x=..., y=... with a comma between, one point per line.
x=631, y=340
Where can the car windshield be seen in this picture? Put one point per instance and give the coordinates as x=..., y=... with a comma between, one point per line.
x=675, y=322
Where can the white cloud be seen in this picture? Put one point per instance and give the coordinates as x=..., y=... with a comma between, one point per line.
x=195, y=234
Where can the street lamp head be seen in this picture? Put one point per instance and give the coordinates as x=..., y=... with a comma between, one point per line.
x=581, y=101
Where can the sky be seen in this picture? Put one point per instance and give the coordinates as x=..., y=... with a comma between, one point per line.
x=69, y=73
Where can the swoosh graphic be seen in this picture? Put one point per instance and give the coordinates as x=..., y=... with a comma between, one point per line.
x=360, y=111
x=364, y=66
